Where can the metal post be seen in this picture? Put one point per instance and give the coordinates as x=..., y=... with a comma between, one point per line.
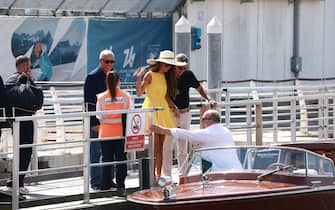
x=275, y=116
x=86, y=156
x=214, y=53
x=131, y=156
x=60, y=129
x=218, y=97
x=325, y=114
x=296, y=60
x=320, y=117
x=151, y=153
x=333, y=99
x=227, y=109
x=254, y=92
x=303, y=110
x=6, y=136
x=16, y=165
x=34, y=159
x=259, y=124
x=249, y=119
x=183, y=36
x=144, y=173
x=293, y=120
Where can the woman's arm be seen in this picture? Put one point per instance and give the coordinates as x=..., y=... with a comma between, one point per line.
x=142, y=84
x=98, y=108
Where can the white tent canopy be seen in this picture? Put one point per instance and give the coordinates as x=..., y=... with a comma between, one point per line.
x=107, y=8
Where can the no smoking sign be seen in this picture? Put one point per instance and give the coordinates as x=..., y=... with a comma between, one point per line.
x=135, y=131
x=136, y=124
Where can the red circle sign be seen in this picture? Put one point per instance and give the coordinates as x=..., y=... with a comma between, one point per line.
x=136, y=123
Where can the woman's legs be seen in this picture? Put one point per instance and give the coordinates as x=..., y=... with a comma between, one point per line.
x=121, y=169
x=107, y=156
x=158, y=153
x=167, y=155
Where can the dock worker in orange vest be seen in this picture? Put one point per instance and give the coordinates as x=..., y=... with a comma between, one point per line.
x=111, y=126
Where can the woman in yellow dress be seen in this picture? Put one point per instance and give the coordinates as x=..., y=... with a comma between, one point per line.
x=160, y=85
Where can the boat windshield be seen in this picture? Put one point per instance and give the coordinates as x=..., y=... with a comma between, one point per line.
x=301, y=162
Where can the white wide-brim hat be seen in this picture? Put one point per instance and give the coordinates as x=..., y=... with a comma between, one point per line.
x=166, y=56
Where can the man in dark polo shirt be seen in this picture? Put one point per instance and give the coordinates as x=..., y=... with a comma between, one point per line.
x=186, y=80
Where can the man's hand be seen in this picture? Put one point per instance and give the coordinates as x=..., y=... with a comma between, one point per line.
x=176, y=112
x=157, y=129
x=160, y=130
x=212, y=103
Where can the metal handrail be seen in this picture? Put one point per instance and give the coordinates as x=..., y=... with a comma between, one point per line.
x=227, y=104
x=86, y=165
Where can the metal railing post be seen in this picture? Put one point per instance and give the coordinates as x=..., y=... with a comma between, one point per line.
x=333, y=117
x=60, y=130
x=259, y=124
x=320, y=117
x=86, y=156
x=218, y=98
x=293, y=120
x=303, y=110
x=275, y=116
x=34, y=158
x=325, y=116
x=151, y=153
x=144, y=173
x=16, y=165
x=227, y=108
x=249, y=121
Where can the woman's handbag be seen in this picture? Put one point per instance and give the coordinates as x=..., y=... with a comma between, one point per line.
x=24, y=95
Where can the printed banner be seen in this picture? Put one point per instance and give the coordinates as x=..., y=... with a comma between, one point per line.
x=133, y=41
x=66, y=49
x=56, y=47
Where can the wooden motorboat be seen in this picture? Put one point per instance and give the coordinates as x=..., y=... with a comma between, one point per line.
x=262, y=178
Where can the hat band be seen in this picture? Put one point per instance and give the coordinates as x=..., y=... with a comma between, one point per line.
x=171, y=58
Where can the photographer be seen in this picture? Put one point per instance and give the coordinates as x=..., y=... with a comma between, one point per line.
x=22, y=76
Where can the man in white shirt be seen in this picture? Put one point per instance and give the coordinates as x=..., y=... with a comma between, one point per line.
x=212, y=135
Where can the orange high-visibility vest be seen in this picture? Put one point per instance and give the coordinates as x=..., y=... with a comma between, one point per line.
x=111, y=124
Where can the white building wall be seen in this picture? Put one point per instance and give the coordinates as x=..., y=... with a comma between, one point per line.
x=312, y=37
x=329, y=43
x=257, y=38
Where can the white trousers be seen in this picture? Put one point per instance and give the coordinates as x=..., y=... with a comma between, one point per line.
x=184, y=121
x=167, y=155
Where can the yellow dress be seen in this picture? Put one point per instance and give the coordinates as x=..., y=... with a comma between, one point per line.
x=155, y=97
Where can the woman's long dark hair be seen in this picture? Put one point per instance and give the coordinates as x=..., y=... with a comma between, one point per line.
x=171, y=79
x=172, y=85
x=112, y=80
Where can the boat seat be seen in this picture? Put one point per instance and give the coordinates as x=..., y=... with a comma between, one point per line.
x=302, y=171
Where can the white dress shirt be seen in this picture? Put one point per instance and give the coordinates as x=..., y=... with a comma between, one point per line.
x=213, y=136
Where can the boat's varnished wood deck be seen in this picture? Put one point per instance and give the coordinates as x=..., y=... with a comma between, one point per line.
x=220, y=188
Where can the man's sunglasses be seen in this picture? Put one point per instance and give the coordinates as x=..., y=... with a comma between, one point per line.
x=205, y=118
x=109, y=61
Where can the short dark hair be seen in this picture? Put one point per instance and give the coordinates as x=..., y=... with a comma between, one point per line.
x=21, y=59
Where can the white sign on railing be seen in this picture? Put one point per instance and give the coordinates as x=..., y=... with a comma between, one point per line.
x=135, y=131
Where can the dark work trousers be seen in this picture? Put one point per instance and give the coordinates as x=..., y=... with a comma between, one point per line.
x=26, y=137
x=113, y=150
